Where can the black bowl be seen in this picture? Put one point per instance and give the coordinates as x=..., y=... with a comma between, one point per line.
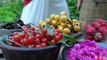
x=17, y=53
x=64, y=53
x=8, y=32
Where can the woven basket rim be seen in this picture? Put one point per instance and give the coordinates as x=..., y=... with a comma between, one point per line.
x=101, y=1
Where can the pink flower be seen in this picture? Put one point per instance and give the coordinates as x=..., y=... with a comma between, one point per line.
x=86, y=50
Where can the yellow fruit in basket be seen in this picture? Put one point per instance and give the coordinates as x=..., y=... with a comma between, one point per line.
x=77, y=24
x=40, y=23
x=74, y=21
x=63, y=13
x=52, y=16
x=54, y=23
x=59, y=22
x=60, y=28
x=43, y=24
x=63, y=24
x=63, y=19
x=57, y=18
x=52, y=26
x=66, y=31
x=48, y=21
x=76, y=28
x=68, y=25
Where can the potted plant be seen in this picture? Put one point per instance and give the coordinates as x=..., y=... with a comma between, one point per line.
x=31, y=44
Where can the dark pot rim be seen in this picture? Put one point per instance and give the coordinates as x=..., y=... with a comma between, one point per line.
x=64, y=52
x=9, y=47
x=10, y=30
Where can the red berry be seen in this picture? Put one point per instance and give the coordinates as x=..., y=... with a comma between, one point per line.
x=32, y=28
x=38, y=41
x=87, y=26
x=36, y=31
x=100, y=21
x=104, y=24
x=24, y=34
x=38, y=46
x=56, y=33
x=17, y=38
x=57, y=38
x=43, y=44
x=24, y=42
x=44, y=31
x=96, y=24
x=53, y=42
x=60, y=34
x=103, y=30
x=31, y=40
x=90, y=30
x=25, y=28
x=44, y=40
x=32, y=33
x=48, y=37
x=31, y=46
x=38, y=36
x=56, y=30
x=13, y=44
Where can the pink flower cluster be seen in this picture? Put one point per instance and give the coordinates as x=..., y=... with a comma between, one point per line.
x=86, y=50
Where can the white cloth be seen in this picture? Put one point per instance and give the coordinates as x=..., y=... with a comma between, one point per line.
x=38, y=10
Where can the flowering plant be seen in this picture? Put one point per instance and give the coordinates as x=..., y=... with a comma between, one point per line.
x=86, y=50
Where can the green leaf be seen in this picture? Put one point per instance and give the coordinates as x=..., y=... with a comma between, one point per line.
x=50, y=30
x=64, y=42
x=4, y=37
x=69, y=38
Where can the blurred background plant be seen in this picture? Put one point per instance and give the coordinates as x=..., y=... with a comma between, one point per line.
x=74, y=13
x=10, y=10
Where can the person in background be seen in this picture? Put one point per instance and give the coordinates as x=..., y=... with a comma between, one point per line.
x=25, y=2
x=36, y=10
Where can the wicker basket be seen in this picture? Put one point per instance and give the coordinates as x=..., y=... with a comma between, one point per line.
x=101, y=1
x=91, y=10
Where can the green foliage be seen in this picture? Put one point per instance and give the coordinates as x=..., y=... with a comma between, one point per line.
x=9, y=12
x=74, y=13
x=50, y=30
